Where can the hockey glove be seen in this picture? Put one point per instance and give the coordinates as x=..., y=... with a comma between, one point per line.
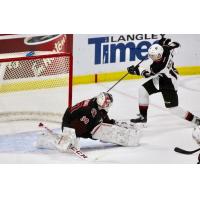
x=167, y=42
x=111, y=121
x=164, y=41
x=146, y=74
x=133, y=70
x=174, y=45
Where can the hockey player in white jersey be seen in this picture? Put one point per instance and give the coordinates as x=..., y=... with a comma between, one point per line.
x=89, y=119
x=164, y=79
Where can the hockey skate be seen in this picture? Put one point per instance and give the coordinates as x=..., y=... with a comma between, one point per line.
x=196, y=134
x=140, y=120
x=197, y=121
x=196, y=131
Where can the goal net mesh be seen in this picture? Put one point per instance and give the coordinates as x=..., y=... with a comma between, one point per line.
x=35, y=87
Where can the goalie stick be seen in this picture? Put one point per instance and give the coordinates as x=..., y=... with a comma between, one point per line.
x=73, y=149
x=179, y=150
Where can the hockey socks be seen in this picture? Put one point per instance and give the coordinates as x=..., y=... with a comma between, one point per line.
x=192, y=118
x=185, y=115
x=143, y=111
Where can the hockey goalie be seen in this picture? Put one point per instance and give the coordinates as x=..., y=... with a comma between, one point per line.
x=89, y=119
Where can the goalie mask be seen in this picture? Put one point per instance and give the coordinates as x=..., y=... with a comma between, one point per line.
x=155, y=52
x=104, y=100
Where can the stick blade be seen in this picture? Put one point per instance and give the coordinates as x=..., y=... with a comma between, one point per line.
x=179, y=150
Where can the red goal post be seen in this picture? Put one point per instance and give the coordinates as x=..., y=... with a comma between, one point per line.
x=25, y=79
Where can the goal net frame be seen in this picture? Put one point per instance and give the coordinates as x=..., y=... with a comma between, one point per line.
x=38, y=116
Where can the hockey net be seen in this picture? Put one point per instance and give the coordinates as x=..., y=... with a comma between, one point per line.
x=37, y=87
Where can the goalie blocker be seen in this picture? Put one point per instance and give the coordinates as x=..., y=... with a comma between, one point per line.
x=89, y=119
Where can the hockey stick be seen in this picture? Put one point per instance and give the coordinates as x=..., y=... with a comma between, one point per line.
x=198, y=159
x=179, y=150
x=73, y=149
x=124, y=76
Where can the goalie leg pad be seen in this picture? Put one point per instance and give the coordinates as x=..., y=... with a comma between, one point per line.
x=60, y=142
x=130, y=125
x=45, y=141
x=125, y=124
x=117, y=135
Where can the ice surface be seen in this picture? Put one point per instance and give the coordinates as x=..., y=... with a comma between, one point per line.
x=163, y=133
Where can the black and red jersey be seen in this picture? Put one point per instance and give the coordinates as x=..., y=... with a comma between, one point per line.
x=84, y=116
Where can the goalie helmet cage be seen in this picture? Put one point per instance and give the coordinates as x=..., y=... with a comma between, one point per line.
x=37, y=87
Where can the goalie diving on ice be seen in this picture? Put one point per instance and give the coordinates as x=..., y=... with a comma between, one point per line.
x=89, y=119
